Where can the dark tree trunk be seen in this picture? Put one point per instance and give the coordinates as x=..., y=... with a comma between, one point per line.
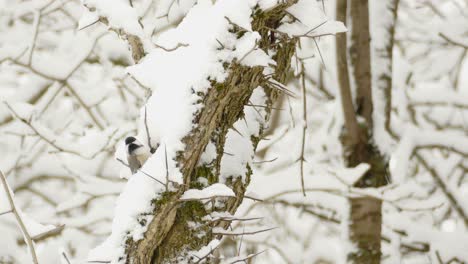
x=365, y=212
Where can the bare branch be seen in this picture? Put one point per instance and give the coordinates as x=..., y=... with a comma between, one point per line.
x=144, y=173
x=170, y=49
x=304, y=127
x=24, y=230
x=452, y=41
x=219, y=231
x=244, y=259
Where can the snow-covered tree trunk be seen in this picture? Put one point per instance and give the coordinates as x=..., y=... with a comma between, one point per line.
x=168, y=234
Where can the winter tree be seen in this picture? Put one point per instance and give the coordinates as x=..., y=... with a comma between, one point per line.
x=277, y=131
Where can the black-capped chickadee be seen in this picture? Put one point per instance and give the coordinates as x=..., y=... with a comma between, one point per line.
x=137, y=153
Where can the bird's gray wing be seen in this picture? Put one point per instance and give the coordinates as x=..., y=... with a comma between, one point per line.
x=133, y=163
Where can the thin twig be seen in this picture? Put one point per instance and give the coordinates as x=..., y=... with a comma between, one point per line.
x=148, y=136
x=146, y=174
x=32, y=45
x=240, y=242
x=85, y=107
x=314, y=28
x=27, y=237
x=243, y=233
x=53, y=143
x=304, y=128
x=66, y=258
x=208, y=254
x=167, y=169
x=7, y=212
x=171, y=49
x=264, y=161
x=320, y=53
x=453, y=42
x=247, y=257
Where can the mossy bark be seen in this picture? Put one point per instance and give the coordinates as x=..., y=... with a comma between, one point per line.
x=168, y=235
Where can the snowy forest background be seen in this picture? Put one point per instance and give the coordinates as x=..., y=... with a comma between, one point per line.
x=280, y=135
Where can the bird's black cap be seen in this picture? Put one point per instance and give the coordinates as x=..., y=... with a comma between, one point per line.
x=129, y=140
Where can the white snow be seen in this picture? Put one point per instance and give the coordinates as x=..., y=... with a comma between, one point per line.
x=119, y=14
x=238, y=147
x=350, y=176
x=309, y=25
x=414, y=137
x=206, y=250
x=212, y=191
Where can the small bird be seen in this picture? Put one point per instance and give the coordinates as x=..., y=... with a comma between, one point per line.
x=137, y=153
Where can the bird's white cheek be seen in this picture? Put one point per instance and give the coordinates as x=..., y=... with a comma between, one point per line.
x=140, y=151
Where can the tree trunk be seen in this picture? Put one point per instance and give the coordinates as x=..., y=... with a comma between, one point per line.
x=357, y=138
x=360, y=57
x=351, y=124
x=168, y=235
x=365, y=229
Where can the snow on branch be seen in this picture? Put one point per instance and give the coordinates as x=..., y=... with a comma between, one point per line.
x=25, y=113
x=350, y=176
x=310, y=26
x=415, y=138
x=121, y=17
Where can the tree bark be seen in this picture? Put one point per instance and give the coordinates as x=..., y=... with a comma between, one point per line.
x=360, y=57
x=365, y=229
x=351, y=124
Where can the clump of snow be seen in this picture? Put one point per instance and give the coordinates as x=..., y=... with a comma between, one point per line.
x=310, y=25
x=350, y=176
x=212, y=191
x=119, y=13
x=238, y=147
x=249, y=53
x=267, y=4
x=34, y=228
x=172, y=12
x=206, y=250
x=208, y=155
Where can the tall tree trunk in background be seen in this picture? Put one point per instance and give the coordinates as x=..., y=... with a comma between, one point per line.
x=365, y=212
